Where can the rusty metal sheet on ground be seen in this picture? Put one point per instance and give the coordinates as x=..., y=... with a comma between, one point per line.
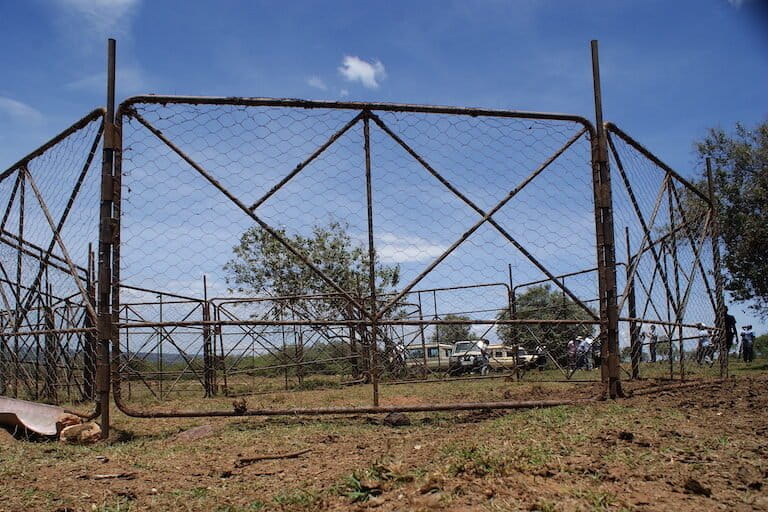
x=39, y=418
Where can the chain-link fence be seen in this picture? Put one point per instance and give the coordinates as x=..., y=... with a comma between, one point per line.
x=670, y=314
x=49, y=205
x=348, y=247
x=322, y=257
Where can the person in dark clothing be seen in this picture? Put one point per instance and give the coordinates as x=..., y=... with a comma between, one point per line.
x=730, y=330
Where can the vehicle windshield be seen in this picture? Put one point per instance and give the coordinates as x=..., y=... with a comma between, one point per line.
x=416, y=353
x=465, y=346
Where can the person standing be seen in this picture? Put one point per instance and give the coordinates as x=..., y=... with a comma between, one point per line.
x=570, y=350
x=653, y=339
x=583, y=353
x=703, y=343
x=747, y=343
x=730, y=331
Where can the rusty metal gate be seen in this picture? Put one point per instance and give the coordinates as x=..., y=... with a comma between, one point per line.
x=49, y=200
x=366, y=257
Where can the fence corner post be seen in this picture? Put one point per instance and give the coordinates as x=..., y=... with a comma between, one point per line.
x=606, y=248
x=106, y=236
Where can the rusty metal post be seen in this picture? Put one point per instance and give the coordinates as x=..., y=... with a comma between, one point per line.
x=606, y=250
x=207, y=360
x=51, y=353
x=719, y=286
x=371, y=261
x=106, y=235
x=425, y=372
x=635, y=347
x=19, y=263
x=676, y=268
x=90, y=341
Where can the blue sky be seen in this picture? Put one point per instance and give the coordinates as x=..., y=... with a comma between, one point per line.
x=669, y=69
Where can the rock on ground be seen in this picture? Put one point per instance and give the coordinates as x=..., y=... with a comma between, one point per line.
x=86, y=433
x=396, y=419
x=194, y=434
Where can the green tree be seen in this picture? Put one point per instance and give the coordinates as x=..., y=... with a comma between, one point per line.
x=263, y=266
x=542, y=303
x=451, y=333
x=740, y=162
x=761, y=346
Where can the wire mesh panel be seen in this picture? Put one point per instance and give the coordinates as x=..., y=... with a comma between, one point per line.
x=49, y=205
x=351, y=247
x=671, y=327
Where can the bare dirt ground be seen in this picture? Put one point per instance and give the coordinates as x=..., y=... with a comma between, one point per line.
x=689, y=449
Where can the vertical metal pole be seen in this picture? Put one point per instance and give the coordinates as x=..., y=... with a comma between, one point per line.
x=286, y=360
x=424, y=341
x=719, y=286
x=160, y=336
x=106, y=233
x=207, y=362
x=19, y=264
x=676, y=265
x=635, y=348
x=51, y=356
x=371, y=262
x=90, y=340
x=667, y=328
x=606, y=250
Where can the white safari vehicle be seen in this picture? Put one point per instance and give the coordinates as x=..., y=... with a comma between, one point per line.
x=437, y=356
x=502, y=357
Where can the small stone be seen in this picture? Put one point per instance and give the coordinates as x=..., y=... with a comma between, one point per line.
x=86, y=433
x=626, y=436
x=194, y=434
x=396, y=419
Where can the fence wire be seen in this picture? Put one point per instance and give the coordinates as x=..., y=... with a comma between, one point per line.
x=271, y=248
x=49, y=205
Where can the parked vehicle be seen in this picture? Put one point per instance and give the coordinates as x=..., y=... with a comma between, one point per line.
x=469, y=356
x=502, y=357
x=437, y=356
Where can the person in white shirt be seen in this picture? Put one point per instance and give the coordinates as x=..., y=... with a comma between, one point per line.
x=747, y=343
x=583, y=353
x=702, y=346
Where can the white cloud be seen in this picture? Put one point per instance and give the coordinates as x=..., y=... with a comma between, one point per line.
x=393, y=248
x=367, y=73
x=343, y=93
x=101, y=17
x=129, y=81
x=317, y=83
x=19, y=111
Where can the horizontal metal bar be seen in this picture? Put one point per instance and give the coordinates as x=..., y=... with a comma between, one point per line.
x=661, y=322
x=131, y=325
x=48, y=331
x=158, y=292
x=318, y=411
x=350, y=105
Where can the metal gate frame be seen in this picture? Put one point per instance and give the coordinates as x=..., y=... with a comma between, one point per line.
x=104, y=307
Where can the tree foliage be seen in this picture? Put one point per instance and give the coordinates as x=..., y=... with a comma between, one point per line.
x=451, y=333
x=740, y=161
x=542, y=302
x=261, y=265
